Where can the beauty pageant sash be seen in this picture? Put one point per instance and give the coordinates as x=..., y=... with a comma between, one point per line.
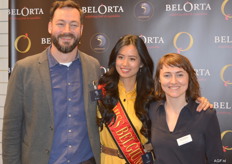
x=125, y=136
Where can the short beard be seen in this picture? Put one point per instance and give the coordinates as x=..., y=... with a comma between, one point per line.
x=66, y=48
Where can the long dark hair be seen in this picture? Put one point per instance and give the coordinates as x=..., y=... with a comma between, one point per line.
x=145, y=84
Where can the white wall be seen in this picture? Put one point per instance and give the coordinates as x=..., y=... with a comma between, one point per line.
x=3, y=61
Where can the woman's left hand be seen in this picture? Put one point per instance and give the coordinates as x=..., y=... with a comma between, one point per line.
x=204, y=104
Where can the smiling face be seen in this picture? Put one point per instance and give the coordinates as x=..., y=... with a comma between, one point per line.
x=174, y=81
x=65, y=29
x=128, y=62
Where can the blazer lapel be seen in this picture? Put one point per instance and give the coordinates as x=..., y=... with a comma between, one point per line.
x=85, y=75
x=44, y=73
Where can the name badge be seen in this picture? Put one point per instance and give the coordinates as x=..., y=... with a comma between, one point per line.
x=147, y=158
x=183, y=140
x=96, y=94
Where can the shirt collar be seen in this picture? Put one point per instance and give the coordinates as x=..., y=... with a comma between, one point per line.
x=52, y=61
x=191, y=106
x=122, y=88
x=123, y=93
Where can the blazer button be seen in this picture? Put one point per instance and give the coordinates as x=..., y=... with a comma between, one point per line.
x=51, y=128
x=47, y=151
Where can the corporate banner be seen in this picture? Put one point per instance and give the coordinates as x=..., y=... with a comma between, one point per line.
x=198, y=29
x=28, y=21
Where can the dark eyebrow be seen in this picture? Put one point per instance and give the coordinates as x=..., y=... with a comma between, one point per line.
x=128, y=56
x=180, y=72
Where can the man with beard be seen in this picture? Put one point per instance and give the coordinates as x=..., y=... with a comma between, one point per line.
x=48, y=114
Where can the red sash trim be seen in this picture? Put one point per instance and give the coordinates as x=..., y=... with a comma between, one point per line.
x=125, y=136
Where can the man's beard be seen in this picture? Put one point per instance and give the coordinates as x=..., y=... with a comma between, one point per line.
x=67, y=47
